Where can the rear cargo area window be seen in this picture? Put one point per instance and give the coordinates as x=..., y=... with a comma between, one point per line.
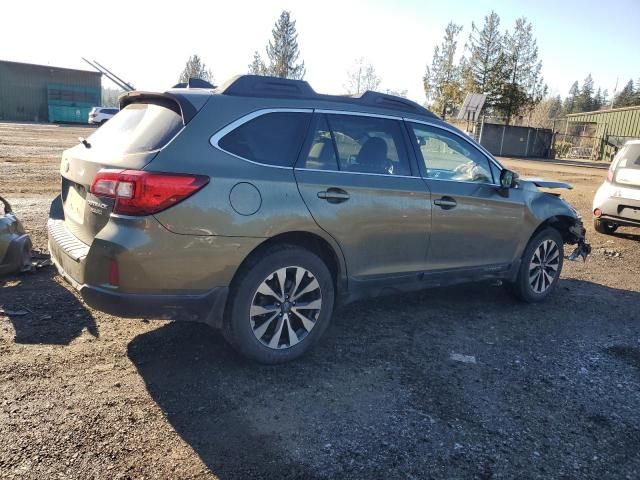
x=628, y=157
x=139, y=127
x=272, y=138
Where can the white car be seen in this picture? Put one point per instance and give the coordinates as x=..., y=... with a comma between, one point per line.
x=99, y=115
x=617, y=201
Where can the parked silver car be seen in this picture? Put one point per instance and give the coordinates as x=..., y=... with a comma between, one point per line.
x=617, y=201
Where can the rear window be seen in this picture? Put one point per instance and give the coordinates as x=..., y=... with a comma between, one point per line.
x=139, y=127
x=272, y=138
x=628, y=157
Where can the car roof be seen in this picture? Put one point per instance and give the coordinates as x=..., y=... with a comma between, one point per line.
x=274, y=88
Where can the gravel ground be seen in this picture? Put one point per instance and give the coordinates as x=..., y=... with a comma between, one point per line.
x=460, y=382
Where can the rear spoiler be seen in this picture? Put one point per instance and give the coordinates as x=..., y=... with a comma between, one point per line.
x=184, y=105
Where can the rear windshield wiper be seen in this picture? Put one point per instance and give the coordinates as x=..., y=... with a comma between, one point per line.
x=84, y=142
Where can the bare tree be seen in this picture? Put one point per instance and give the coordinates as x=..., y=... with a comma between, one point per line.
x=361, y=78
x=110, y=96
x=398, y=93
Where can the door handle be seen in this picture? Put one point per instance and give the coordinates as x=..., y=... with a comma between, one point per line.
x=334, y=195
x=446, y=203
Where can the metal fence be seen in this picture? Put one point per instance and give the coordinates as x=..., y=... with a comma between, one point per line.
x=514, y=141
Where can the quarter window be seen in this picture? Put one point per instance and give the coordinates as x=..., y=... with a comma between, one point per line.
x=369, y=144
x=273, y=138
x=448, y=157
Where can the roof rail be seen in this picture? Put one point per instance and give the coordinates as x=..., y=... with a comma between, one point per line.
x=275, y=87
x=194, y=83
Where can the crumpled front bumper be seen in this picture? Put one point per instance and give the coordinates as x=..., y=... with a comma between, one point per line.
x=577, y=237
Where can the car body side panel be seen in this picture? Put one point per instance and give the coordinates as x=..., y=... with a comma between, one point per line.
x=383, y=228
x=483, y=229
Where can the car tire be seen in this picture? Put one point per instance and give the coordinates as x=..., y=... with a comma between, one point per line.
x=606, y=228
x=540, y=267
x=265, y=319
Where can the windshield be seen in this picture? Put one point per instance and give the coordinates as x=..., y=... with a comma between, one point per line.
x=138, y=128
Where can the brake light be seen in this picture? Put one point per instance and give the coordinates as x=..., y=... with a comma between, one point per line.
x=610, y=175
x=139, y=192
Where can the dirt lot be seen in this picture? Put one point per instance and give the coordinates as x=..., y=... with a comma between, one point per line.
x=450, y=383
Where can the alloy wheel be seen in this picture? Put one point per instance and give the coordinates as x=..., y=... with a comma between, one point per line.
x=544, y=265
x=285, y=307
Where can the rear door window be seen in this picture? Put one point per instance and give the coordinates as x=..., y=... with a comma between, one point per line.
x=138, y=128
x=369, y=144
x=272, y=139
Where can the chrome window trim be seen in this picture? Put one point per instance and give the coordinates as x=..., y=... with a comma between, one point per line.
x=216, y=137
x=357, y=114
x=480, y=148
x=357, y=173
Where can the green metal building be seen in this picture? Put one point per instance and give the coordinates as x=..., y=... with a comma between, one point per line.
x=612, y=128
x=40, y=93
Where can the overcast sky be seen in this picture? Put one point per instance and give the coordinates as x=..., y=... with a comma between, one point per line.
x=147, y=43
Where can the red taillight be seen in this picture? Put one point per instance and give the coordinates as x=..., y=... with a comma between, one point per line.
x=138, y=192
x=610, y=175
x=597, y=213
x=114, y=273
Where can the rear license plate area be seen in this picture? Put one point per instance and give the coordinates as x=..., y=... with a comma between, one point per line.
x=74, y=204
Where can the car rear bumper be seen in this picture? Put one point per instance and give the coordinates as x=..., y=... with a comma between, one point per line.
x=206, y=307
x=161, y=274
x=619, y=210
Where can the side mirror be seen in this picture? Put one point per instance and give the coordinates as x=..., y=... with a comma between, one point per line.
x=508, y=179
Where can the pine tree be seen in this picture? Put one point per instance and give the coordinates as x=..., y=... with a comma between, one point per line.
x=584, y=100
x=442, y=82
x=195, y=68
x=282, y=50
x=598, y=100
x=625, y=97
x=525, y=87
x=555, y=109
x=484, y=70
x=636, y=96
x=570, y=102
x=257, y=66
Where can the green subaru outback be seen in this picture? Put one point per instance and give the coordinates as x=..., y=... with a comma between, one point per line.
x=257, y=206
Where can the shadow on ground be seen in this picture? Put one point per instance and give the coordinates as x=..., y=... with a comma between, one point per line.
x=42, y=310
x=553, y=390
